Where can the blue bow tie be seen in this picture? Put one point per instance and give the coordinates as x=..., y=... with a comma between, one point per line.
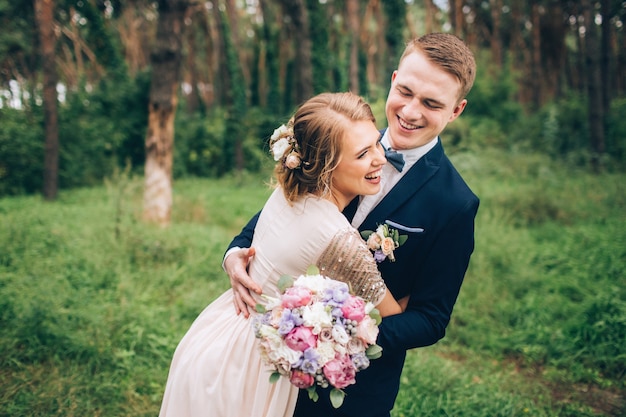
x=396, y=159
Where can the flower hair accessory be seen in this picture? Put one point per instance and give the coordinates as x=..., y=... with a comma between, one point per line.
x=284, y=146
x=383, y=241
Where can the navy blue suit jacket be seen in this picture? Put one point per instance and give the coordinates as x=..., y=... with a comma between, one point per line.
x=429, y=267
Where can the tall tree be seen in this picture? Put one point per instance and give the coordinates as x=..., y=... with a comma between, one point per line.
x=300, y=28
x=165, y=60
x=236, y=107
x=594, y=85
x=272, y=68
x=395, y=12
x=352, y=10
x=44, y=12
x=496, y=36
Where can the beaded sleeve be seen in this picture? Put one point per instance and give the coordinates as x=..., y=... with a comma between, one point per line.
x=348, y=259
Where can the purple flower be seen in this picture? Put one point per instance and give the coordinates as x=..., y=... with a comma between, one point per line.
x=309, y=361
x=379, y=256
x=287, y=322
x=336, y=295
x=360, y=361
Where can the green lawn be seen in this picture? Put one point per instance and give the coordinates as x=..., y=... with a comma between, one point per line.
x=93, y=301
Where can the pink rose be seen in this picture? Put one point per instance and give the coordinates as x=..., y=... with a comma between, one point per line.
x=367, y=330
x=300, y=339
x=301, y=379
x=292, y=161
x=296, y=297
x=353, y=308
x=340, y=371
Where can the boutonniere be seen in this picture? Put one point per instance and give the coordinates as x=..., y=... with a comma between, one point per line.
x=383, y=241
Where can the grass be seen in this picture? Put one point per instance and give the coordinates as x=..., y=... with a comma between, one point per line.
x=93, y=301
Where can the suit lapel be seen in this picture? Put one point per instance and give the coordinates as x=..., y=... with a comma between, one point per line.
x=409, y=184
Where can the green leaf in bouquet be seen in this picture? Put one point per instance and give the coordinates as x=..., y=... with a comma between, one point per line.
x=260, y=308
x=402, y=239
x=274, y=377
x=375, y=315
x=285, y=282
x=312, y=270
x=313, y=395
x=374, y=352
x=365, y=234
x=336, y=397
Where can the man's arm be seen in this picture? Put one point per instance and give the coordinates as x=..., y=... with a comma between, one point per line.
x=236, y=260
x=430, y=305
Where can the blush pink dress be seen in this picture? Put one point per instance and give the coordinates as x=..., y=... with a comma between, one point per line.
x=217, y=370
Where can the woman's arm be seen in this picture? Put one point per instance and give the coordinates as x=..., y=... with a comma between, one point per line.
x=347, y=259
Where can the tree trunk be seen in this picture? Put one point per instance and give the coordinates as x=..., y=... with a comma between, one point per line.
x=496, y=39
x=165, y=61
x=44, y=12
x=594, y=87
x=352, y=8
x=456, y=16
x=608, y=86
x=370, y=38
x=535, y=70
x=553, y=50
x=431, y=17
x=233, y=20
x=296, y=9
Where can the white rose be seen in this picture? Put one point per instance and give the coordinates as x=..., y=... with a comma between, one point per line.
x=317, y=317
x=380, y=231
x=278, y=132
x=279, y=148
x=326, y=350
x=315, y=283
x=340, y=335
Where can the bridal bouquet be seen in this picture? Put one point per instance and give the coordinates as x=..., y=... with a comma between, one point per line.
x=317, y=334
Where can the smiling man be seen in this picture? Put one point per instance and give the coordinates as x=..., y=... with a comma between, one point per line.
x=424, y=197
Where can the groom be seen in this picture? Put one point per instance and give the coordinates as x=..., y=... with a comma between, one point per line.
x=426, y=199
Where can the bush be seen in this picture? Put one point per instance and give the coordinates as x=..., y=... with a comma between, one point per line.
x=22, y=150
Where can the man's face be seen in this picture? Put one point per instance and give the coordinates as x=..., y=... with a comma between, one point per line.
x=422, y=100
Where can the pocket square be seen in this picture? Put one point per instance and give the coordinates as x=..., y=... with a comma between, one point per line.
x=403, y=227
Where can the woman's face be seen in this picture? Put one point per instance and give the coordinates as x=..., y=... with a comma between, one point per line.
x=360, y=163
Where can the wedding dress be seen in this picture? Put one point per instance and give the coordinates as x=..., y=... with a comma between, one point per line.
x=217, y=369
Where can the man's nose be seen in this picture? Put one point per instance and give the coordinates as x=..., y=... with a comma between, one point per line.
x=413, y=110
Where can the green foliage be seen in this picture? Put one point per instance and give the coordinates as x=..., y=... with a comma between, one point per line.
x=321, y=60
x=616, y=131
x=395, y=12
x=21, y=147
x=493, y=95
x=545, y=286
x=201, y=142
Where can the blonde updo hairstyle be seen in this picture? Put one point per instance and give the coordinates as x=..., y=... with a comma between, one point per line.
x=319, y=126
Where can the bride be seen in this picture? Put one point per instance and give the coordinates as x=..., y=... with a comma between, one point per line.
x=328, y=154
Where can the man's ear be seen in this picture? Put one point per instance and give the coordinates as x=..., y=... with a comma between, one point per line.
x=458, y=110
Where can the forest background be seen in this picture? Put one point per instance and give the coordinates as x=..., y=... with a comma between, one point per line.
x=93, y=93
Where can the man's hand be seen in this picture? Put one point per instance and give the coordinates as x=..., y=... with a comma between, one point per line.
x=236, y=266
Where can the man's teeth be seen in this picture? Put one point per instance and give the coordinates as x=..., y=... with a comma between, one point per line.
x=406, y=125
